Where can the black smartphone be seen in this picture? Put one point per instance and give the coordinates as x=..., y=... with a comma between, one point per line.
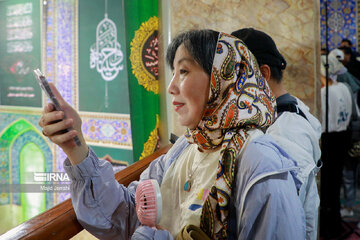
x=44, y=84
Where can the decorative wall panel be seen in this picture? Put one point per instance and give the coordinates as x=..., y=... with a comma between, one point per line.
x=342, y=22
x=292, y=24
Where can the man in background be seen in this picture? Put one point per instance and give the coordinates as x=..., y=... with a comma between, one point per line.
x=351, y=58
x=295, y=130
x=347, y=43
x=336, y=141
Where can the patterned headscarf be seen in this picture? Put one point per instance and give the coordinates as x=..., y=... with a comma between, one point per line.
x=239, y=100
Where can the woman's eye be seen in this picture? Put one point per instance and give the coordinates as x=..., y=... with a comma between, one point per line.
x=183, y=71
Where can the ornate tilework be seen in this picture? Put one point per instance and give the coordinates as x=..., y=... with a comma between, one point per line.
x=109, y=130
x=60, y=157
x=60, y=42
x=60, y=61
x=65, y=49
x=50, y=42
x=358, y=23
x=60, y=65
x=341, y=22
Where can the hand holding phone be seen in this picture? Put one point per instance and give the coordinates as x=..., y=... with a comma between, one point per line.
x=46, y=88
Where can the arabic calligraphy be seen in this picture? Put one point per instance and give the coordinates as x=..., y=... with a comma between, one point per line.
x=150, y=54
x=19, y=30
x=19, y=9
x=20, y=68
x=20, y=92
x=106, y=54
x=144, y=55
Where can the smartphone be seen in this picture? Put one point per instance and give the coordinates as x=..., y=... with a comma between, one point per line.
x=44, y=84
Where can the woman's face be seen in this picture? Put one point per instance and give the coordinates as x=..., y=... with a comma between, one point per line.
x=189, y=88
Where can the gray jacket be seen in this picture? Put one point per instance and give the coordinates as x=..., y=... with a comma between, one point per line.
x=300, y=138
x=264, y=203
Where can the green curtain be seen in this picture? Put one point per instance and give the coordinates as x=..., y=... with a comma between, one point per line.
x=141, y=19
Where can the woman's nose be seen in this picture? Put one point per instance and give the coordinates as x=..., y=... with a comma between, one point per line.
x=173, y=87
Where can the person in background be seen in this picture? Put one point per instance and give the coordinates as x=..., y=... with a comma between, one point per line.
x=350, y=62
x=347, y=43
x=336, y=143
x=223, y=179
x=295, y=129
x=351, y=162
x=343, y=75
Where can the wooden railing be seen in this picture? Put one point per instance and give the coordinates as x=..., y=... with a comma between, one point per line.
x=60, y=221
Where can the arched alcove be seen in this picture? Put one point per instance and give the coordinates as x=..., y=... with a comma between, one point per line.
x=19, y=143
x=23, y=151
x=31, y=160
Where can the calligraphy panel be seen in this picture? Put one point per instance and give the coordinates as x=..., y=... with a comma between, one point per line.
x=103, y=80
x=20, y=44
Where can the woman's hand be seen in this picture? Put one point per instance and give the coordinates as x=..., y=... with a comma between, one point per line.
x=54, y=125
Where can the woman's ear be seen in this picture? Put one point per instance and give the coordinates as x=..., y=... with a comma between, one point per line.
x=265, y=71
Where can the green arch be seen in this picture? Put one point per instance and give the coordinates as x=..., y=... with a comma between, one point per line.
x=15, y=129
x=8, y=137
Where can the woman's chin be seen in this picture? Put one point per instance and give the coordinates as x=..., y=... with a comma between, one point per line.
x=188, y=123
x=192, y=127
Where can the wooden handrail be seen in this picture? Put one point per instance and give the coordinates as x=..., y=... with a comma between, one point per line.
x=60, y=221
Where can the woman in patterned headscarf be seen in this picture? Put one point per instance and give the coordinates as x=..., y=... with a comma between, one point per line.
x=223, y=178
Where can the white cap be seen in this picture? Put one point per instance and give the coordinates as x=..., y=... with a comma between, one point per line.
x=335, y=67
x=337, y=53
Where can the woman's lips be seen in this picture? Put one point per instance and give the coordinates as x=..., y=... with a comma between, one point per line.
x=177, y=105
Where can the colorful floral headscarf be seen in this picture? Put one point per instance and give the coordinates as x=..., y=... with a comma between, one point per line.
x=239, y=100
